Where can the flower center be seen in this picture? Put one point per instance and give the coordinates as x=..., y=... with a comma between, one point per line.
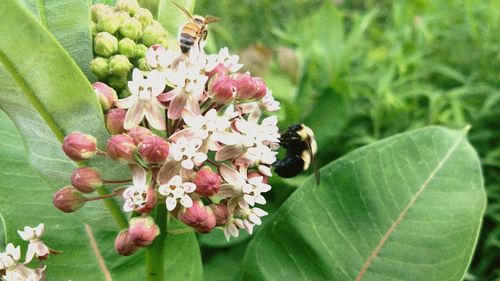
x=145, y=94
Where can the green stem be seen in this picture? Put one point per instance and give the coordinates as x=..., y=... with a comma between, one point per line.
x=113, y=208
x=155, y=252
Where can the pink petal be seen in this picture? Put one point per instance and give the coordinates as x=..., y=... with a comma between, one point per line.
x=186, y=133
x=228, y=152
x=138, y=176
x=168, y=96
x=155, y=116
x=193, y=106
x=231, y=175
x=176, y=106
x=168, y=171
x=134, y=116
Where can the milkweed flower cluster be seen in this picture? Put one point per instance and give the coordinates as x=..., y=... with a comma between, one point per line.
x=12, y=269
x=198, y=137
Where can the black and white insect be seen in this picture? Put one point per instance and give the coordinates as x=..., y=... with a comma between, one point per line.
x=301, y=148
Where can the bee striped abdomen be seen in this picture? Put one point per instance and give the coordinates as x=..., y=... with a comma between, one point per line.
x=188, y=36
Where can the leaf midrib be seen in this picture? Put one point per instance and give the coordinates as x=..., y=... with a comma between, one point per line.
x=405, y=210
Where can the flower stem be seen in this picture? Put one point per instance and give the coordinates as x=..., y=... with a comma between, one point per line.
x=113, y=208
x=155, y=252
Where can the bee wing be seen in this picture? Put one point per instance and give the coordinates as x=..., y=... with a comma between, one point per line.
x=183, y=9
x=317, y=175
x=211, y=19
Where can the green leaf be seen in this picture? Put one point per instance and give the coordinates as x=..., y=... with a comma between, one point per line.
x=69, y=22
x=46, y=73
x=405, y=208
x=20, y=206
x=170, y=17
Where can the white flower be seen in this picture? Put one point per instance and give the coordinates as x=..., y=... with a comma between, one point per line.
x=268, y=103
x=186, y=151
x=143, y=100
x=250, y=217
x=136, y=195
x=232, y=228
x=36, y=247
x=246, y=191
x=177, y=191
x=15, y=271
x=210, y=127
x=230, y=62
x=262, y=156
x=160, y=58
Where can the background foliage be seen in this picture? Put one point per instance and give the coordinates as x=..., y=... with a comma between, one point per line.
x=356, y=72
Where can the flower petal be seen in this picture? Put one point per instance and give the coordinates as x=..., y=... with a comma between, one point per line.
x=176, y=106
x=228, y=152
x=154, y=115
x=167, y=171
x=231, y=175
x=134, y=116
x=186, y=201
x=171, y=203
x=126, y=102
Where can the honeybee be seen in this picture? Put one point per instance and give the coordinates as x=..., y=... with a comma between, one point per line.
x=301, y=148
x=193, y=31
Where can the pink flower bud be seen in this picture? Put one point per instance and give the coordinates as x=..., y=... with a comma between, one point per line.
x=79, y=146
x=223, y=90
x=121, y=147
x=143, y=231
x=106, y=95
x=124, y=245
x=207, y=182
x=138, y=134
x=245, y=86
x=220, y=70
x=154, y=149
x=115, y=119
x=86, y=179
x=68, y=199
x=261, y=88
x=221, y=212
x=199, y=217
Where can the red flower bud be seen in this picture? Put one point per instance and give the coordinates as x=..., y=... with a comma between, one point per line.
x=221, y=212
x=124, y=245
x=68, y=199
x=199, y=217
x=154, y=149
x=115, y=119
x=138, y=134
x=143, y=231
x=245, y=86
x=207, y=182
x=106, y=95
x=79, y=146
x=220, y=69
x=261, y=88
x=86, y=179
x=223, y=90
x=121, y=147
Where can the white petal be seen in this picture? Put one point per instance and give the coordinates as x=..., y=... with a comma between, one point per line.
x=189, y=187
x=259, y=199
x=134, y=116
x=30, y=253
x=199, y=158
x=187, y=164
x=138, y=176
x=126, y=102
x=39, y=230
x=171, y=203
x=259, y=212
x=154, y=115
x=231, y=175
x=265, y=170
x=254, y=219
x=249, y=199
x=186, y=201
x=248, y=226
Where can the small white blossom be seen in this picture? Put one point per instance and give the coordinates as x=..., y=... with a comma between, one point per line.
x=230, y=62
x=250, y=217
x=177, y=191
x=268, y=103
x=136, y=195
x=232, y=228
x=36, y=247
x=143, y=100
x=186, y=151
x=211, y=128
x=239, y=187
x=15, y=271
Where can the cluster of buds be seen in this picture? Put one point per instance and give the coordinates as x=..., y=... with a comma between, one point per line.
x=198, y=139
x=10, y=266
x=122, y=35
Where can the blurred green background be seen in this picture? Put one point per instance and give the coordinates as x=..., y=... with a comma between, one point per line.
x=359, y=71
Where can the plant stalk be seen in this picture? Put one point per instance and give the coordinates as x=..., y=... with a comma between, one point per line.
x=155, y=253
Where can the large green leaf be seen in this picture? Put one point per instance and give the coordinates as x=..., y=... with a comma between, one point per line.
x=405, y=208
x=69, y=22
x=21, y=206
x=46, y=73
x=171, y=17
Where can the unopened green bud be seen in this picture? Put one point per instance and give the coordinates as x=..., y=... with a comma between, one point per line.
x=152, y=34
x=131, y=28
x=119, y=65
x=117, y=82
x=129, y=6
x=142, y=64
x=140, y=51
x=127, y=47
x=105, y=44
x=93, y=28
x=125, y=93
x=100, y=67
x=122, y=16
x=164, y=41
x=144, y=16
x=100, y=9
x=108, y=22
